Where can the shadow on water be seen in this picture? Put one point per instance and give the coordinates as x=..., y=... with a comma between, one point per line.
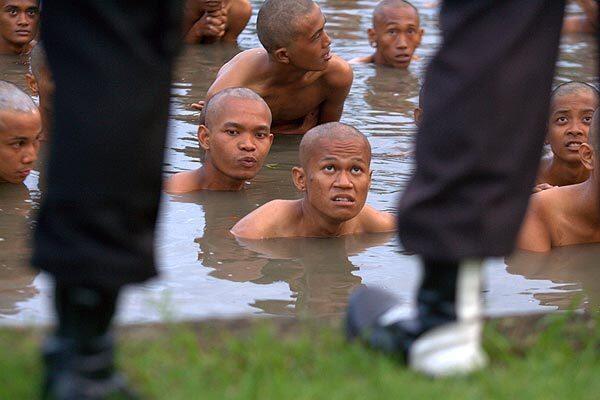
x=16, y=278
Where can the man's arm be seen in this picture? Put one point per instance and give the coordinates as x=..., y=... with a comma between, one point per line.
x=237, y=18
x=534, y=235
x=339, y=80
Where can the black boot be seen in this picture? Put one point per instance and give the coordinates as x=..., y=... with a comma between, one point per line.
x=445, y=336
x=79, y=358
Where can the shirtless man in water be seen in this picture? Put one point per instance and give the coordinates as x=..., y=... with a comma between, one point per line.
x=235, y=136
x=208, y=21
x=303, y=83
x=395, y=35
x=334, y=175
x=572, y=106
x=567, y=215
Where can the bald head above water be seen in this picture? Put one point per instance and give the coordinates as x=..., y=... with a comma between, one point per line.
x=276, y=23
x=330, y=132
x=218, y=102
x=14, y=99
x=573, y=87
x=379, y=14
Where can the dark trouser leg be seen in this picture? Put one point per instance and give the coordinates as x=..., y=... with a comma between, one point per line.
x=485, y=108
x=111, y=61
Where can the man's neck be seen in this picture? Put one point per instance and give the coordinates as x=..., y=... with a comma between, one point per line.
x=284, y=74
x=315, y=224
x=563, y=173
x=7, y=47
x=587, y=203
x=210, y=178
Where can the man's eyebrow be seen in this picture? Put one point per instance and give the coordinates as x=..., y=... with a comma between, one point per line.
x=322, y=28
x=232, y=124
x=18, y=138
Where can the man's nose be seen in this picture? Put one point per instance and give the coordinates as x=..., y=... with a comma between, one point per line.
x=326, y=40
x=30, y=154
x=343, y=180
x=576, y=129
x=401, y=42
x=247, y=143
x=22, y=19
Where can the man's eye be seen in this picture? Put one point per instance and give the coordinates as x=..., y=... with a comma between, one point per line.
x=411, y=31
x=260, y=135
x=12, y=11
x=329, y=168
x=231, y=132
x=587, y=120
x=17, y=145
x=32, y=13
x=356, y=170
x=392, y=32
x=561, y=120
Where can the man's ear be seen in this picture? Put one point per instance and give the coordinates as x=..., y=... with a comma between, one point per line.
x=417, y=115
x=281, y=55
x=204, y=137
x=586, y=155
x=372, y=37
x=421, y=33
x=299, y=178
x=32, y=83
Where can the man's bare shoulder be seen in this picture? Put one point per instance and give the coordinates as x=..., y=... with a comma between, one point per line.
x=240, y=71
x=372, y=220
x=544, y=209
x=339, y=73
x=267, y=221
x=182, y=182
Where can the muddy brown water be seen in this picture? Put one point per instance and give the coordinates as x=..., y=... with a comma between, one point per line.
x=206, y=273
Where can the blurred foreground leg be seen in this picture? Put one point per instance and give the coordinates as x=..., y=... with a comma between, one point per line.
x=111, y=61
x=445, y=336
x=486, y=103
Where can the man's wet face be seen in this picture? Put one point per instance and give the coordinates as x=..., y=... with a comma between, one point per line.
x=338, y=177
x=570, y=121
x=310, y=49
x=397, y=35
x=18, y=21
x=19, y=144
x=240, y=137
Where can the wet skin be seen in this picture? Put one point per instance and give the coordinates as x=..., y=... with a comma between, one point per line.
x=336, y=180
x=304, y=84
x=19, y=144
x=397, y=34
x=236, y=139
x=19, y=21
x=568, y=127
x=44, y=88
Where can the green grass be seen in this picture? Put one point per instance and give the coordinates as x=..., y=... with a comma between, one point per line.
x=557, y=357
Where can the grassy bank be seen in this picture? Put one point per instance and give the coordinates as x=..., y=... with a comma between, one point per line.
x=556, y=357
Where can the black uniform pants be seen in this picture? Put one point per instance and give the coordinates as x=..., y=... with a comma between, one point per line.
x=486, y=102
x=111, y=61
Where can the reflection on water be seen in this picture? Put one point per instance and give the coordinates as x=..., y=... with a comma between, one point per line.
x=206, y=272
x=574, y=269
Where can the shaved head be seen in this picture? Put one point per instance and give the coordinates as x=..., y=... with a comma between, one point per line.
x=574, y=87
x=37, y=60
x=276, y=23
x=331, y=131
x=380, y=9
x=217, y=102
x=14, y=99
